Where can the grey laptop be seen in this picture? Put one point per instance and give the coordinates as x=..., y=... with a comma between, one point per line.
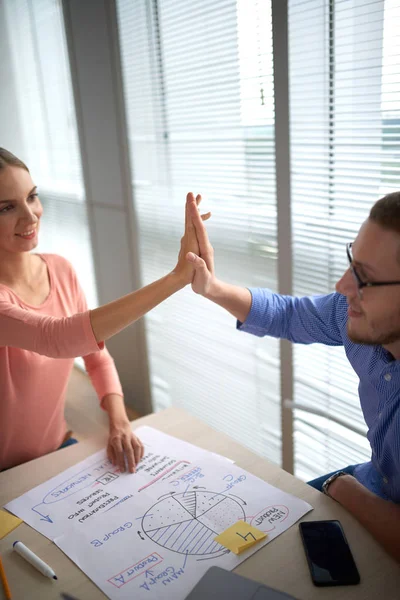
x=218, y=584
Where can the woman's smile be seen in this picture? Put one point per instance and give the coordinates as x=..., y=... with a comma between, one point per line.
x=28, y=235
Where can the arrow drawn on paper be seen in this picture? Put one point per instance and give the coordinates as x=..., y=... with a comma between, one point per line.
x=42, y=517
x=241, y=499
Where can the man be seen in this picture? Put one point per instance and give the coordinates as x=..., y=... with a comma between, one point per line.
x=363, y=316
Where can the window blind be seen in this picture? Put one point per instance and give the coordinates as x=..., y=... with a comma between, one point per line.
x=43, y=99
x=345, y=151
x=198, y=91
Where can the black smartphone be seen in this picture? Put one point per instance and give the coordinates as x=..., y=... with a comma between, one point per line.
x=328, y=553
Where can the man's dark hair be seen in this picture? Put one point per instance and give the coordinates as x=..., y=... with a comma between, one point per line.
x=386, y=212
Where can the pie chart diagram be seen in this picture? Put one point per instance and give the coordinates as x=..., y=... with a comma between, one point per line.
x=187, y=523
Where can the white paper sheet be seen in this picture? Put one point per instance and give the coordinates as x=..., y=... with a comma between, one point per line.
x=151, y=535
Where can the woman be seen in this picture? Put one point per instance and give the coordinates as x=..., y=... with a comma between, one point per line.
x=45, y=324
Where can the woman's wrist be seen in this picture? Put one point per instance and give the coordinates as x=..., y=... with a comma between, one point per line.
x=114, y=405
x=177, y=280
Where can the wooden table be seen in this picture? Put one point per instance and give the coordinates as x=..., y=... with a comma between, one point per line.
x=280, y=564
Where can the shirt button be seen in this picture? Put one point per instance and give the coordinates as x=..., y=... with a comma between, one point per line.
x=385, y=480
x=388, y=377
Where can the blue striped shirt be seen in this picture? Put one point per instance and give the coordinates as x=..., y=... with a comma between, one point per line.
x=323, y=319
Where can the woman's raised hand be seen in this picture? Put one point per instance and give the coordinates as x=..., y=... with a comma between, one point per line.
x=189, y=243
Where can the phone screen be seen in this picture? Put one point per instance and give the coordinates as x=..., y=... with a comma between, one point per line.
x=328, y=553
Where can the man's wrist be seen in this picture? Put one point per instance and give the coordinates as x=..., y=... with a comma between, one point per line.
x=338, y=485
x=326, y=486
x=214, y=290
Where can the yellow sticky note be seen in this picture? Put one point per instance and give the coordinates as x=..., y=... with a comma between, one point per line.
x=239, y=537
x=7, y=523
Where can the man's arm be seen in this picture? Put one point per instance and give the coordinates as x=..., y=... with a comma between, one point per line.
x=380, y=517
x=260, y=311
x=235, y=299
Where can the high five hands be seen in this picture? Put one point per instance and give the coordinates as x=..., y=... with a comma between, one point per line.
x=190, y=242
x=201, y=258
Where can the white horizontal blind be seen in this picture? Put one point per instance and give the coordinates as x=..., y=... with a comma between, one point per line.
x=199, y=97
x=345, y=153
x=44, y=102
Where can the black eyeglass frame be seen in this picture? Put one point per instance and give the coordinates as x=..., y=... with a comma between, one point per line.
x=360, y=283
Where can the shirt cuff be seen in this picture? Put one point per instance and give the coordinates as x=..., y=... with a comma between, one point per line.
x=89, y=334
x=258, y=318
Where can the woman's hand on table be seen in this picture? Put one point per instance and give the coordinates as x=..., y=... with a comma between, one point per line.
x=123, y=445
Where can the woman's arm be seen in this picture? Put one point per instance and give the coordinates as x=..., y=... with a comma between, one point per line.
x=83, y=333
x=122, y=442
x=111, y=318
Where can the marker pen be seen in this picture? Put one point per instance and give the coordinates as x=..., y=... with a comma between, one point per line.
x=34, y=560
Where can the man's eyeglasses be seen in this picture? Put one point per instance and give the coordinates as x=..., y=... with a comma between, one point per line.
x=360, y=283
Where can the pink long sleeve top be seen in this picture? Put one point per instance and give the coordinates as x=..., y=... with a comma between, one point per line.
x=38, y=345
